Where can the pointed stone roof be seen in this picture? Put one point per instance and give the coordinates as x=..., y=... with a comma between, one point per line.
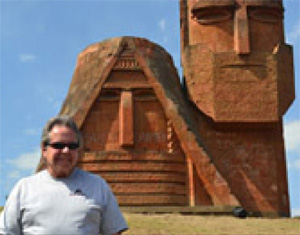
x=93, y=67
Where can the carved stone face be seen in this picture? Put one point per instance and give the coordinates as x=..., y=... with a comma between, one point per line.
x=242, y=26
x=233, y=52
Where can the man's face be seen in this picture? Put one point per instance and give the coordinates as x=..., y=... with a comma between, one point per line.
x=61, y=161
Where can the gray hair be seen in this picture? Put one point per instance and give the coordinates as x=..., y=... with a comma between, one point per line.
x=61, y=121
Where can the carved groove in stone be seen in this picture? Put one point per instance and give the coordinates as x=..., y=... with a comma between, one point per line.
x=128, y=64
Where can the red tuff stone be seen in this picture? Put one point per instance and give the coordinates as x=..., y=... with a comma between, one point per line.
x=215, y=141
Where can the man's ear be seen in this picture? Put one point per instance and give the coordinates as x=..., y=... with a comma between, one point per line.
x=43, y=147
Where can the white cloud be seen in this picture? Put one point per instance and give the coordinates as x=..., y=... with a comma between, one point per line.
x=27, y=58
x=28, y=117
x=56, y=104
x=14, y=175
x=296, y=212
x=297, y=164
x=32, y=132
x=50, y=99
x=294, y=35
x=26, y=161
x=292, y=136
x=162, y=24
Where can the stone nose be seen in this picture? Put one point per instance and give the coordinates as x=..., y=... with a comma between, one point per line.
x=241, y=32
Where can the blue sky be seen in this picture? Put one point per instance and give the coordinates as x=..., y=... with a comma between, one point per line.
x=39, y=44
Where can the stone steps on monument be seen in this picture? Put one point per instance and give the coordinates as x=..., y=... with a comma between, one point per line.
x=140, y=188
x=151, y=200
x=120, y=156
x=133, y=166
x=141, y=179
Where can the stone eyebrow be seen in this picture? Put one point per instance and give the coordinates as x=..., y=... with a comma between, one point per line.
x=265, y=3
x=206, y=4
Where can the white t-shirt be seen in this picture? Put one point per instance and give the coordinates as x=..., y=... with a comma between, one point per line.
x=81, y=204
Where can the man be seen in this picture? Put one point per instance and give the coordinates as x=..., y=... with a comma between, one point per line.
x=62, y=199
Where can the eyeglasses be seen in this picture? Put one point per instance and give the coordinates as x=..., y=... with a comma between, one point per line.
x=59, y=145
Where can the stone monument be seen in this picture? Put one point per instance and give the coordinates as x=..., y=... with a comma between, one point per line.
x=238, y=74
x=213, y=140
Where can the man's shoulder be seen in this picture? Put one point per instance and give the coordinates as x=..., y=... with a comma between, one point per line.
x=36, y=177
x=27, y=182
x=90, y=176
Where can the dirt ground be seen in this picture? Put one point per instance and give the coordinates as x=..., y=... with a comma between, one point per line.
x=191, y=225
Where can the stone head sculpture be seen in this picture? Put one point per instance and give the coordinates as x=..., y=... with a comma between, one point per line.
x=237, y=67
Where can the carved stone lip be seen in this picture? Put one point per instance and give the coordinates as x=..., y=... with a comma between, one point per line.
x=243, y=64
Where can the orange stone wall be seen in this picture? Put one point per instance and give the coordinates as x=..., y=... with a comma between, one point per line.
x=152, y=169
x=251, y=158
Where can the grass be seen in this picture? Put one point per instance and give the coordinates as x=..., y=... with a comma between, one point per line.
x=176, y=224
x=168, y=224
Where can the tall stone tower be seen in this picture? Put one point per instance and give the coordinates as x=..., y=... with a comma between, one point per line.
x=238, y=74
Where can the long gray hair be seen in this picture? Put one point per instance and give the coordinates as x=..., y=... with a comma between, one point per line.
x=63, y=121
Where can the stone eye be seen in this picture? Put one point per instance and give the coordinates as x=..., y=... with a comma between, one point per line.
x=145, y=95
x=266, y=15
x=109, y=95
x=212, y=16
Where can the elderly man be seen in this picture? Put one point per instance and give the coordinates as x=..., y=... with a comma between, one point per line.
x=62, y=199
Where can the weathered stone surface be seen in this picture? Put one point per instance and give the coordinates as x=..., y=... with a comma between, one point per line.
x=233, y=60
x=217, y=141
x=127, y=99
x=239, y=76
